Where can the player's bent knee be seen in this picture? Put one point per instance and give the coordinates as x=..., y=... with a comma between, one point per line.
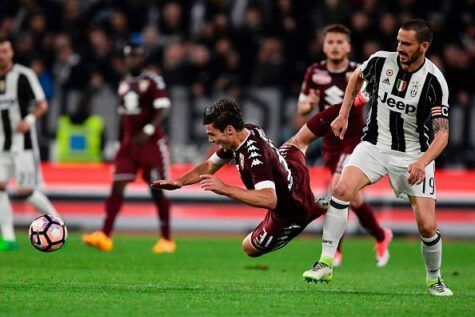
x=343, y=192
x=427, y=230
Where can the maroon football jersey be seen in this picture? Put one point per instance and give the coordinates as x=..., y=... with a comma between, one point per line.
x=331, y=87
x=139, y=98
x=262, y=165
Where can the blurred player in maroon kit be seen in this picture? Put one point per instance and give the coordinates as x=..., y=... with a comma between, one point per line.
x=324, y=86
x=275, y=179
x=143, y=106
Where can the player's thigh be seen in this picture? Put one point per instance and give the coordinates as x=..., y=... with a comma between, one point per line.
x=156, y=161
x=27, y=170
x=366, y=165
x=125, y=167
x=424, y=211
x=6, y=168
x=398, y=178
x=273, y=233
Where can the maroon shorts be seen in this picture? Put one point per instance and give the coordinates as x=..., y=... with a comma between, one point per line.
x=335, y=159
x=293, y=213
x=274, y=232
x=151, y=158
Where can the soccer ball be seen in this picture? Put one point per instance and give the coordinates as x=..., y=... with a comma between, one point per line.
x=48, y=233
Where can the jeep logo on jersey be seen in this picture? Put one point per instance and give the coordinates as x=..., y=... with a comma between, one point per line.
x=334, y=95
x=6, y=103
x=392, y=103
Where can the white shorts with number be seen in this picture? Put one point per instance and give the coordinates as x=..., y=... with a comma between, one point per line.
x=23, y=166
x=376, y=163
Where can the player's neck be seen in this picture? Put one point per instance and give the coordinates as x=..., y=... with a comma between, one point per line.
x=414, y=66
x=241, y=137
x=6, y=69
x=337, y=66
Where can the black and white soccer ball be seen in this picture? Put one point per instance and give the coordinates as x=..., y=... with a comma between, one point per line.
x=48, y=233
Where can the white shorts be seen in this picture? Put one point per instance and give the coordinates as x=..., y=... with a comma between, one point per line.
x=376, y=163
x=23, y=166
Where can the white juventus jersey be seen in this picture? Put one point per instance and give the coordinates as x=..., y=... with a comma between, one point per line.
x=19, y=90
x=402, y=102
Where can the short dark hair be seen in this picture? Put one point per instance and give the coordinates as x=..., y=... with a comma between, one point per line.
x=132, y=48
x=421, y=28
x=337, y=28
x=223, y=113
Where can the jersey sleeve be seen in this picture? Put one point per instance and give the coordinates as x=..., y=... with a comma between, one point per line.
x=29, y=91
x=221, y=156
x=160, y=98
x=259, y=164
x=368, y=67
x=306, y=85
x=438, y=97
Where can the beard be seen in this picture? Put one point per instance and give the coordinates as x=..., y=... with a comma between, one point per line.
x=411, y=59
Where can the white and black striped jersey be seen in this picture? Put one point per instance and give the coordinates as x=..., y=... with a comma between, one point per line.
x=402, y=102
x=19, y=90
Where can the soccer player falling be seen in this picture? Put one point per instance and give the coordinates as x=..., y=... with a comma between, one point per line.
x=323, y=86
x=143, y=106
x=275, y=179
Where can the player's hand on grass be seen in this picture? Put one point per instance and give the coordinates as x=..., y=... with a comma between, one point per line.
x=171, y=184
x=212, y=183
x=417, y=173
x=339, y=126
x=141, y=138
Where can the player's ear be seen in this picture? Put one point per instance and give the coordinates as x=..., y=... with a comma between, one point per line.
x=229, y=130
x=425, y=46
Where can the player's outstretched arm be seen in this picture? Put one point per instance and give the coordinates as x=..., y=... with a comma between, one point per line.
x=261, y=198
x=189, y=178
x=416, y=170
x=340, y=124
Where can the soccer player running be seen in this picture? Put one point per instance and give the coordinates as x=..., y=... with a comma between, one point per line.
x=22, y=102
x=143, y=106
x=324, y=85
x=406, y=90
x=275, y=179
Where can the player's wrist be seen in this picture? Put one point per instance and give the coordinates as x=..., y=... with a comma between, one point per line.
x=149, y=129
x=30, y=119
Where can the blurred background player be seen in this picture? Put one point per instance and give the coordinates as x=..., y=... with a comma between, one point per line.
x=275, y=179
x=22, y=101
x=143, y=105
x=324, y=85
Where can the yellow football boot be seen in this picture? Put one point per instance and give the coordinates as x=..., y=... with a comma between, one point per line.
x=98, y=240
x=164, y=246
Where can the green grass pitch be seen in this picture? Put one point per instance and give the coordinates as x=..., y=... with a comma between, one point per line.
x=212, y=277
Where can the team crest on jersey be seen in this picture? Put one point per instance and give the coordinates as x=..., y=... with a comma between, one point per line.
x=389, y=72
x=321, y=77
x=401, y=85
x=123, y=88
x=143, y=85
x=414, y=88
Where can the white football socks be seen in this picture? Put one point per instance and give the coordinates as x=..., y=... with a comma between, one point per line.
x=334, y=226
x=6, y=217
x=42, y=203
x=432, y=253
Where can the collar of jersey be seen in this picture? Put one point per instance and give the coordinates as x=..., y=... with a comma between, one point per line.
x=247, y=137
x=415, y=71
